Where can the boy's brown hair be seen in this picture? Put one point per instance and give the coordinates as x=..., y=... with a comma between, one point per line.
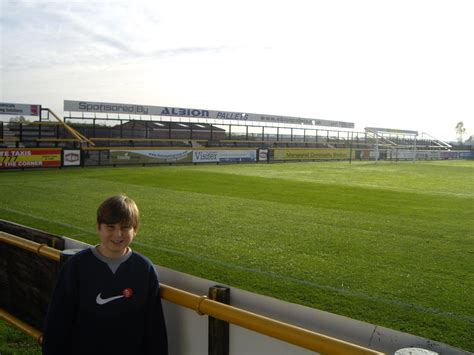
x=119, y=209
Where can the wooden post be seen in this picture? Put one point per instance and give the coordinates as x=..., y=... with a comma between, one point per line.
x=219, y=330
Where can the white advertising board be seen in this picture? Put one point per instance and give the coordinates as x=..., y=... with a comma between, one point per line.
x=224, y=156
x=420, y=154
x=19, y=109
x=263, y=155
x=149, y=156
x=71, y=157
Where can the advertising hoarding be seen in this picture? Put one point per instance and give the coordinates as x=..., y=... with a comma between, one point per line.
x=449, y=154
x=224, y=156
x=11, y=158
x=466, y=155
x=150, y=156
x=263, y=155
x=181, y=156
x=311, y=153
x=19, y=109
x=405, y=154
x=71, y=157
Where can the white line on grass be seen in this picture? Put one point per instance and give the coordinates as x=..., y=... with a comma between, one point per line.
x=341, y=291
x=72, y=226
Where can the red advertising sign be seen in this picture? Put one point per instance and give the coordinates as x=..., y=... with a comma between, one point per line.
x=29, y=158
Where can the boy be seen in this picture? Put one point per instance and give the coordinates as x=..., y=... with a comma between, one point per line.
x=107, y=297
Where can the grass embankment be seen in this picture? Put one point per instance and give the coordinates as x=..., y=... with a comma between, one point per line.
x=14, y=342
x=390, y=244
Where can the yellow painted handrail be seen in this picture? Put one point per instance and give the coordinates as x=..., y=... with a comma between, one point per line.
x=71, y=130
x=58, y=140
x=289, y=333
x=202, y=305
x=39, y=249
x=25, y=328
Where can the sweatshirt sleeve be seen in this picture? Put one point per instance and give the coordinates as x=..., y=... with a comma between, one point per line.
x=61, y=313
x=156, y=338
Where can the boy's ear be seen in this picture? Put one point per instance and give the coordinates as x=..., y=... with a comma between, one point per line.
x=135, y=231
x=98, y=227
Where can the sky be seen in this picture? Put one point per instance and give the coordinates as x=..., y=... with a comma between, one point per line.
x=405, y=64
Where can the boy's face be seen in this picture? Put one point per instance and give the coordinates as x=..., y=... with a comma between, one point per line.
x=115, y=239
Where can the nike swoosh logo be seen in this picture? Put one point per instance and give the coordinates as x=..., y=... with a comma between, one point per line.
x=101, y=301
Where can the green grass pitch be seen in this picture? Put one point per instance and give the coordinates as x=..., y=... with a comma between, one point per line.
x=389, y=243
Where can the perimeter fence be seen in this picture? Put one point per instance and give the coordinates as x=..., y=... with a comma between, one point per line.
x=115, y=142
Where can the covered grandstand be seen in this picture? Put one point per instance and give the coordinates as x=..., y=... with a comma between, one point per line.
x=97, y=129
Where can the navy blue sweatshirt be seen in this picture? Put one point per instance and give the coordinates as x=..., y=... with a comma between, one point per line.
x=95, y=311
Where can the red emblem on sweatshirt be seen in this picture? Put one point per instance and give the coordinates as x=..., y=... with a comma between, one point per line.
x=127, y=293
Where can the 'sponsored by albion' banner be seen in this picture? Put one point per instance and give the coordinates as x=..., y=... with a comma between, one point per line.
x=133, y=109
x=311, y=153
x=29, y=158
x=150, y=156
